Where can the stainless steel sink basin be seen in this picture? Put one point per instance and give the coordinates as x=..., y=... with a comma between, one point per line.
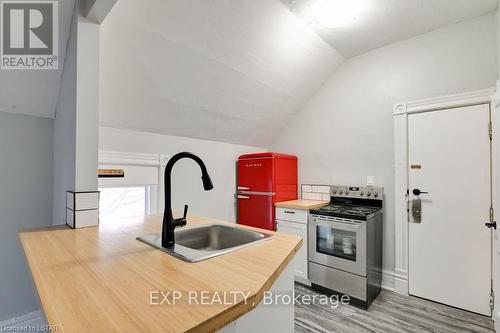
x=206, y=241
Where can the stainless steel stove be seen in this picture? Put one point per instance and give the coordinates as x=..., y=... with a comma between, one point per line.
x=345, y=243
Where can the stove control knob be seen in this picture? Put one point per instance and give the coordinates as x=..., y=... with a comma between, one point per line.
x=346, y=191
x=341, y=192
x=369, y=193
x=375, y=194
x=361, y=193
x=334, y=191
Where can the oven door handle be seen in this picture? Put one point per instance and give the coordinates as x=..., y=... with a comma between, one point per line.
x=339, y=224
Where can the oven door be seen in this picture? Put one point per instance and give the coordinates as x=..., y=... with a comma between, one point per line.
x=338, y=243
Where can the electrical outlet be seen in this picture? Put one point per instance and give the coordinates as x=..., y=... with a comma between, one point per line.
x=369, y=180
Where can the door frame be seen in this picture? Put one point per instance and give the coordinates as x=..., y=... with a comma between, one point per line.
x=495, y=119
x=401, y=168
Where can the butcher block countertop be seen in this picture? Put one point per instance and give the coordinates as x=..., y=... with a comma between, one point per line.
x=100, y=279
x=301, y=204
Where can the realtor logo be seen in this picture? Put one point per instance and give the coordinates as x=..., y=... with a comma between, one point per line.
x=29, y=34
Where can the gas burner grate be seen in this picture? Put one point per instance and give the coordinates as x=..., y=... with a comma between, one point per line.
x=349, y=210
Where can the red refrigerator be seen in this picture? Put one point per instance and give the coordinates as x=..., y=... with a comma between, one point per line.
x=263, y=179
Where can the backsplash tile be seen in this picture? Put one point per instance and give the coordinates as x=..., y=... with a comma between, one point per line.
x=312, y=196
x=306, y=188
x=315, y=192
x=320, y=189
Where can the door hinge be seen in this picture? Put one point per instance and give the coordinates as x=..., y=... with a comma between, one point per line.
x=492, y=300
x=490, y=130
x=492, y=223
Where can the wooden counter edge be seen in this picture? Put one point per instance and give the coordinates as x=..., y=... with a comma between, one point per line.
x=290, y=204
x=50, y=316
x=231, y=314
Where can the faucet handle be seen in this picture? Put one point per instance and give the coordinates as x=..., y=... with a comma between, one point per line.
x=181, y=221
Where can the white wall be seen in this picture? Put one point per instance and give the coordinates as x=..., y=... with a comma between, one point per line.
x=87, y=105
x=25, y=201
x=220, y=159
x=35, y=92
x=64, y=130
x=77, y=113
x=345, y=132
x=232, y=71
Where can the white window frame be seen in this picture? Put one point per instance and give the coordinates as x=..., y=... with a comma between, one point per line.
x=117, y=159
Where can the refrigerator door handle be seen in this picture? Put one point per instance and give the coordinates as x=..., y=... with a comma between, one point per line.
x=243, y=196
x=243, y=188
x=270, y=194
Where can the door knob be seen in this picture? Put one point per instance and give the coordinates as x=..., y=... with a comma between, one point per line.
x=416, y=191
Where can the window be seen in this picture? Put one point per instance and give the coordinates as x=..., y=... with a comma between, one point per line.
x=124, y=201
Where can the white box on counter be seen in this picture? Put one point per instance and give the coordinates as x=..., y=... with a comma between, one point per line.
x=82, y=209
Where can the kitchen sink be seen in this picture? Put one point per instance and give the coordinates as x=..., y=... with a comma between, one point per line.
x=206, y=241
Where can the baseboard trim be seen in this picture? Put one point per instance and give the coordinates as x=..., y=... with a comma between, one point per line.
x=396, y=281
x=388, y=280
x=32, y=319
x=401, y=282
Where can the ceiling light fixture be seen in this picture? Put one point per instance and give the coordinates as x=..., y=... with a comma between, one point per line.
x=335, y=13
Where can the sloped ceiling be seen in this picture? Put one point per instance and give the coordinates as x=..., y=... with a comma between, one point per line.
x=35, y=92
x=383, y=22
x=226, y=70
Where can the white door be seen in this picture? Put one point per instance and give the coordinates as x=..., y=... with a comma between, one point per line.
x=450, y=249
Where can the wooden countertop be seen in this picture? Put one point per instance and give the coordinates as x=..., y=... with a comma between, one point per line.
x=301, y=204
x=99, y=279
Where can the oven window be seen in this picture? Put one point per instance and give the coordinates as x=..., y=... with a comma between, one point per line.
x=336, y=242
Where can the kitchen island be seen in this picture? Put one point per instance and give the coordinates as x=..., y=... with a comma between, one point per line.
x=101, y=279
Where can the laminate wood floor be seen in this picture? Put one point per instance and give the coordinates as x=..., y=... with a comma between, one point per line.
x=391, y=312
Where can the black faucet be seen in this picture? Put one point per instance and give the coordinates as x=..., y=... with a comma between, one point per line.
x=169, y=223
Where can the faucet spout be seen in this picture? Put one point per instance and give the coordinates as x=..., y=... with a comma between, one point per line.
x=169, y=223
